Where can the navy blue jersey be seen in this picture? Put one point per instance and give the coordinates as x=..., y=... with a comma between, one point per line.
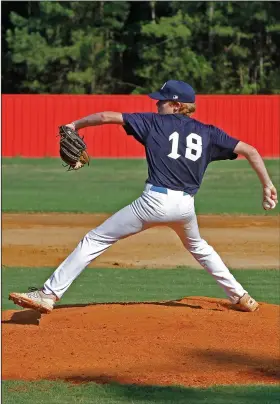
x=178, y=148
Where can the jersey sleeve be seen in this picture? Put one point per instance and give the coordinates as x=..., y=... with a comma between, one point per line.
x=138, y=125
x=220, y=153
x=222, y=145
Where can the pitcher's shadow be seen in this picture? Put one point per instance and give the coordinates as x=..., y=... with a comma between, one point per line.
x=24, y=317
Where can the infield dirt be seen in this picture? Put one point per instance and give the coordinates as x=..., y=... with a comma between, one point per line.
x=38, y=240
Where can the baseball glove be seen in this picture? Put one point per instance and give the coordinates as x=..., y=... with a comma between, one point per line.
x=73, y=150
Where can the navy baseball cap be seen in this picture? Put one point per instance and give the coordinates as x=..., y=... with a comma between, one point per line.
x=174, y=90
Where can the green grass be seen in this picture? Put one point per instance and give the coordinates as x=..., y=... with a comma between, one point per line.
x=114, y=285
x=62, y=393
x=36, y=185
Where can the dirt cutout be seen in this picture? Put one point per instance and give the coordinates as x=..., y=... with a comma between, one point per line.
x=45, y=240
x=192, y=342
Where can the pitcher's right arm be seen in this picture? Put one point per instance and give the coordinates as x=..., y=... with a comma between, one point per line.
x=257, y=163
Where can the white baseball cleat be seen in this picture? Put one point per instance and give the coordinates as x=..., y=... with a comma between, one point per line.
x=34, y=299
x=247, y=303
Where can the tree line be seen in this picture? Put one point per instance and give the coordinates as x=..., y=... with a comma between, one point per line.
x=129, y=47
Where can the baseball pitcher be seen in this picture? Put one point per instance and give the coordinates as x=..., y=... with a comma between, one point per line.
x=178, y=151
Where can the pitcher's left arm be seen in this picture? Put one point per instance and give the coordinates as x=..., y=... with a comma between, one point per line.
x=100, y=118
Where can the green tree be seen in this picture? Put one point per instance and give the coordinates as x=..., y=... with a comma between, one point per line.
x=219, y=47
x=134, y=47
x=169, y=50
x=68, y=46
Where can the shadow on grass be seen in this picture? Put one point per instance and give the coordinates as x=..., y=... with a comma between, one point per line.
x=123, y=394
x=181, y=395
x=189, y=395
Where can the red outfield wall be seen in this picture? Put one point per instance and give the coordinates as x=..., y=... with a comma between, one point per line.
x=29, y=122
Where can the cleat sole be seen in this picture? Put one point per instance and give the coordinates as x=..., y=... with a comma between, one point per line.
x=29, y=304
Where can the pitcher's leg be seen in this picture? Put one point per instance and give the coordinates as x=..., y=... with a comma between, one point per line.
x=94, y=243
x=209, y=259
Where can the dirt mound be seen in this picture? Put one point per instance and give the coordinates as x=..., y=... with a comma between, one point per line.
x=196, y=341
x=31, y=240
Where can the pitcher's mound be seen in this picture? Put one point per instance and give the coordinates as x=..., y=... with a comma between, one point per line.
x=196, y=341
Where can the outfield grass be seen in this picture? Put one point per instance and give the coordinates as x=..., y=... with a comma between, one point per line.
x=126, y=285
x=62, y=393
x=36, y=185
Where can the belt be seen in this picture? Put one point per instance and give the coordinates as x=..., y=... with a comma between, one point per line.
x=163, y=190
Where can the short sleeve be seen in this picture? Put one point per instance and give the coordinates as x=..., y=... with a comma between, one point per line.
x=138, y=125
x=222, y=145
x=220, y=153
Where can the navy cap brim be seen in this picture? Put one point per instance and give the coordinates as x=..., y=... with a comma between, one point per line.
x=157, y=96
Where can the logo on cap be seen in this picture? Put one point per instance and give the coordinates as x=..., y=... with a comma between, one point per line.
x=175, y=97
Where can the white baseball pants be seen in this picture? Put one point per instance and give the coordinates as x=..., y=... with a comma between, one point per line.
x=152, y=207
